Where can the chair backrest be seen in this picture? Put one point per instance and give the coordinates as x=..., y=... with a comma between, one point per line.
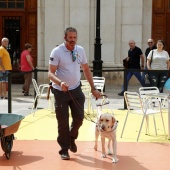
x=143, y=91
x=99, y=82
x=147, y=90
x=85, y=87
x=36, y=88
x=133, y=101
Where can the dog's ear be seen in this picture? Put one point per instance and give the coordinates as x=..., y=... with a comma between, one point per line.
x=100, y=119
x=113, y=120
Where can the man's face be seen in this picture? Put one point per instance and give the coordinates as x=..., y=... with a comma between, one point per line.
x=150, y=43
x=71, y=39
x=5, y=43
x=131, y=44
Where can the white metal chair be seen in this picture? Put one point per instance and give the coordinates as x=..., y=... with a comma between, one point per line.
x=136, y=106
x=87, y=92
x=41, y=92
x=99, y=83
x=145, y=91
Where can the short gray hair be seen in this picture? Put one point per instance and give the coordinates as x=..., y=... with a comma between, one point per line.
x=4, y=39
x=69, y=29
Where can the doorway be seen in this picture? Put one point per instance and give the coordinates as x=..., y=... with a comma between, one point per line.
x=161, y=22
x=12, y=29
x=18, y=22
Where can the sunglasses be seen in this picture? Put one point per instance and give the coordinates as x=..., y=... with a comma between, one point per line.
x=73, y=56
x=150, y=42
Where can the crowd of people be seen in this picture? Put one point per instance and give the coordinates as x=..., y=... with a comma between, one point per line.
x=26, y=67
x=156, y=58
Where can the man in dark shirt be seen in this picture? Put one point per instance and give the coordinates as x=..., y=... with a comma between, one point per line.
x=134, y=56
x=151, y=46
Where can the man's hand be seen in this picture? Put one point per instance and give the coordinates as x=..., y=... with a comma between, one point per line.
x=96, y=93
x=3, y=70
x=64, y=86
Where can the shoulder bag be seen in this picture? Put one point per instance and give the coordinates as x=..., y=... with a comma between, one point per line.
x=125, y=63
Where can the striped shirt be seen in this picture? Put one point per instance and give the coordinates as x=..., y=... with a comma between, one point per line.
x=159, y=60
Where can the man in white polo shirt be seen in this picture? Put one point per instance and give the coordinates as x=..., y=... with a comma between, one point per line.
x=64, y=71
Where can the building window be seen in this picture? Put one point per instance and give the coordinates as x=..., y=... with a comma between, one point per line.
x=11, y=4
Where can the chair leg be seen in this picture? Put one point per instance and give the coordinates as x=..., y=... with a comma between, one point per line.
x=163, y=123
x=52, y=105
x=162, y=119
x=147, y=125
x=140, y=127
x=34, y=104
x=49, y=104
x=155, y=125
x=124, y=124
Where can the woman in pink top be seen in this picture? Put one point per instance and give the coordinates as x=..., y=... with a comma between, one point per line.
x=26, y=68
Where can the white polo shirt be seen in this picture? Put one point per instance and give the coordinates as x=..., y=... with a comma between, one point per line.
x=68, y=70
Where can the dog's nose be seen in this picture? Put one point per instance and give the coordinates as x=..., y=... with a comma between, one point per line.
x=103, y=127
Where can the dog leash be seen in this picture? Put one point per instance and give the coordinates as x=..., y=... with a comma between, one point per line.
x=79, y=107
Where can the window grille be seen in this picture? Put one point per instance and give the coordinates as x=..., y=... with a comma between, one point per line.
x=12, y=4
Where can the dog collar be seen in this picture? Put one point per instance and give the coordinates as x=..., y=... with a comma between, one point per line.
x=115, y=125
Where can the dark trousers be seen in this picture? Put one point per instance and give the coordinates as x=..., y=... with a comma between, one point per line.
x=27, y=82
x=158, y=79
x=73, y=99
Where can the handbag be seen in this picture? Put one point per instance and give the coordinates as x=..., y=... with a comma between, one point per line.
x=147, y=77
x=125, y=63
x=167, y=84
x=151, y=58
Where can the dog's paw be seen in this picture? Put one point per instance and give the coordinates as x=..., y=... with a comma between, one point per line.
x=95, y=148
x=103, y=155
x=115, y=160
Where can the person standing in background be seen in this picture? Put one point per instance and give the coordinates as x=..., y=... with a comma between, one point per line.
x=26, y=68
x=5, y=66
x=151, y=46
x=134, y=56
x=158, y=59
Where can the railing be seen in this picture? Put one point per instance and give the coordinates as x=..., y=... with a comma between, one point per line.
x=10, y=74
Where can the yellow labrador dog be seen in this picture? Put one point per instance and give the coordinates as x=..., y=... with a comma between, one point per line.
x=106, y=127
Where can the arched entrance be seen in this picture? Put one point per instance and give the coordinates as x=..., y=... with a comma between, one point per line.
x=161, y=21
x=18, y=22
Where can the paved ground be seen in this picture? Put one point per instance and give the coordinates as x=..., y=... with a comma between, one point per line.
x=35, y=145
x=22, y=104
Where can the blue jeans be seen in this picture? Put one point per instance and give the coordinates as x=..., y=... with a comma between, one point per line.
x=137, y=75
x=4, y=79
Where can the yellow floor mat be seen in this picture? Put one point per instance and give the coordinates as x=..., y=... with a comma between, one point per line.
x=43, y=126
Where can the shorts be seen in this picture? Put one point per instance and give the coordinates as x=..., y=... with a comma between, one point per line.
x=4, y=79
